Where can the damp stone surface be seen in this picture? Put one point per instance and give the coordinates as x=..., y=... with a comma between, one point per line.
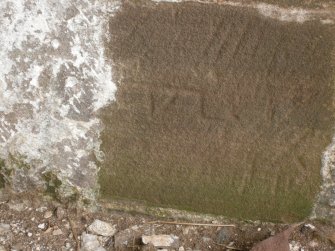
x=220, y=108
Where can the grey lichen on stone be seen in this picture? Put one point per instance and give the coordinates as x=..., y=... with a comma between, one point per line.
x=53, y=80
x=17, y=162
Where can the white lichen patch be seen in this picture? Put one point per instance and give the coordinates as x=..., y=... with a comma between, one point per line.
x=299, y=15
x=290, y=15
x=324, y=208
x=53, y=79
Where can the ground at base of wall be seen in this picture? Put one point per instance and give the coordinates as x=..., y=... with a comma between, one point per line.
x=30, y=223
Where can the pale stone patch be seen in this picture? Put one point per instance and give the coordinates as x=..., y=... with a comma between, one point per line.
x=4, y=228
x=299, y=15
x=102, y=228
x=45, y=45
x=160, y=240
x=90, y=242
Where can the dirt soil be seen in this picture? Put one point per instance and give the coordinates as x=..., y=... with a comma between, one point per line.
x=43, y=224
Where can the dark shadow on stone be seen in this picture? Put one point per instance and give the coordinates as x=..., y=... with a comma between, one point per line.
x=2, y=174
x=218, y=110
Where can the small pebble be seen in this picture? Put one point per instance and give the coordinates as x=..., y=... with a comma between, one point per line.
x=90, y=243
x=4, y=228
x=60, y=213
x=41, y=226
x=313, y=244
x=57, y=232
x=206, y=239
x=19, y=207
x=29, y=234
x=310, y=226
x=161, y=241
x=41, y=209
x=102, y=228
x=48, y=230
x=48, y=214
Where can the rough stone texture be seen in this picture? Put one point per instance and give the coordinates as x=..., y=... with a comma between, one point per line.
x=121, y=238
x=102, y=228
x=4, y=228
x=90, y=242
x=219, y=108
x=161, y=241
x=53, y=79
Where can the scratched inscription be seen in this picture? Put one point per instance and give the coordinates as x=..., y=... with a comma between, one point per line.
x=218, y=110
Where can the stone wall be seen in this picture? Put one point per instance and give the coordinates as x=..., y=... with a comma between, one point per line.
x=215, y=107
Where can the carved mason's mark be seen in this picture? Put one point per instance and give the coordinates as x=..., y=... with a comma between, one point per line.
x=218, y=110
x=173, y=101
x=170, y=101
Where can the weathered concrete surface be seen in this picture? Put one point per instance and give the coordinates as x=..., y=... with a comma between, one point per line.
x=219, y=109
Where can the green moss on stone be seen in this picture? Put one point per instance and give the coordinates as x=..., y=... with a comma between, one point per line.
x=52, y=184
x=17, y=161
x=2, y=171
